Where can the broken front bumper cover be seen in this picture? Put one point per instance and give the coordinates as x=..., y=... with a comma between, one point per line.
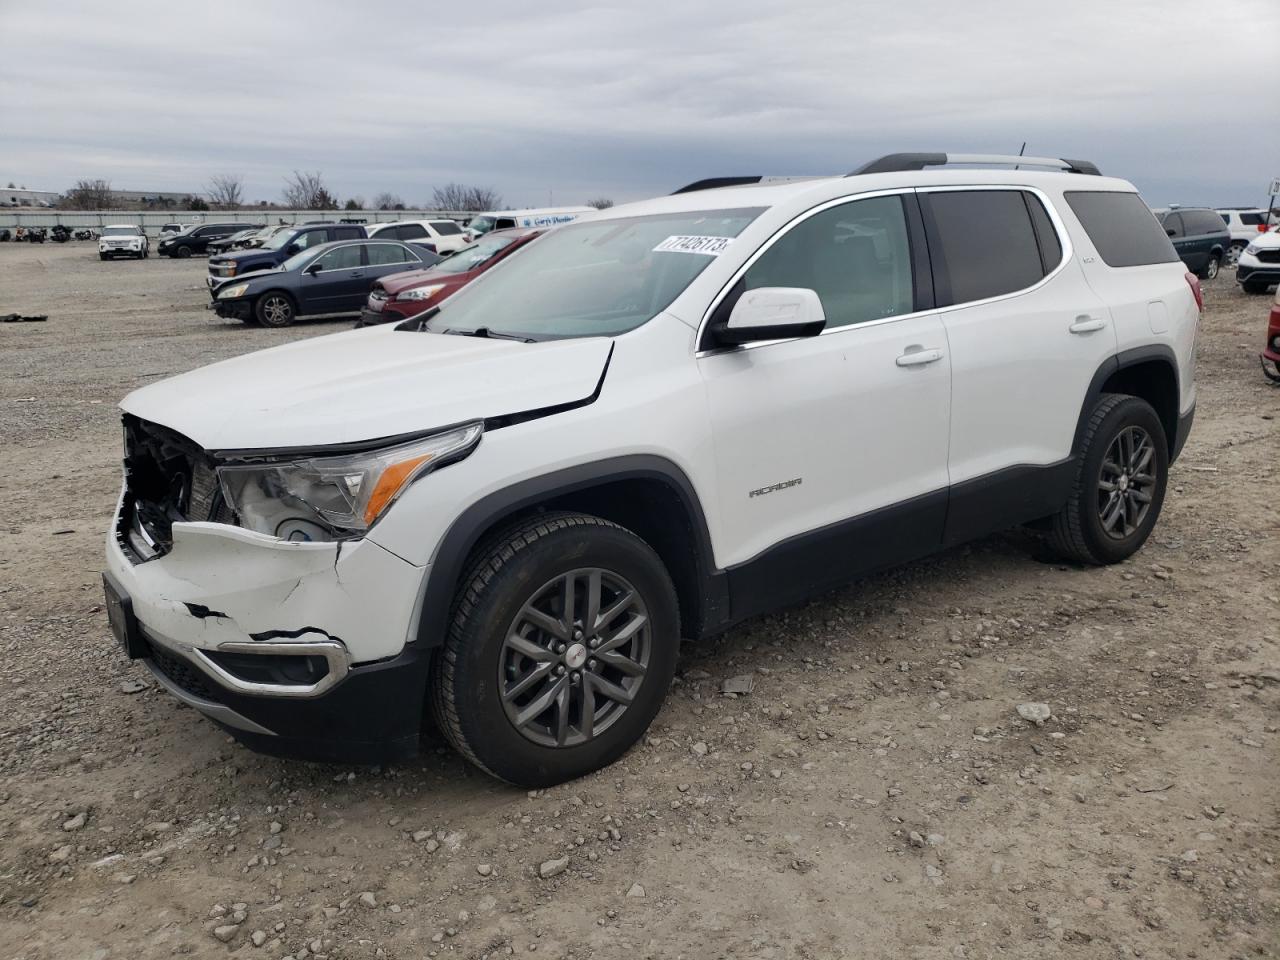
x=217, y=617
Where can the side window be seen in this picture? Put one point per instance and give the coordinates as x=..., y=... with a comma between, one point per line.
x=413, y=231
x=348, y=233
x=1122, y=228
x=381, y=254
x=1173, y=225
x=856, y=257
x=1250, y=219
x=1046, y=236
x=343, y=258
x=504, y=223
x=987, y=241
x=446, y=228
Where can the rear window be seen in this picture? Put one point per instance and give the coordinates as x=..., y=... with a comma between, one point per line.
x=1123, y=229
x=446, y=228
x=989, y=242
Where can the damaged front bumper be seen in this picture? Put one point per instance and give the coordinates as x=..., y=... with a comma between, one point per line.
x=298, y=649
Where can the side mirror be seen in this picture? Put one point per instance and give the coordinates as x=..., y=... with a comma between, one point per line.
x=314, y=267
x=1172, y=233
x=773, y=313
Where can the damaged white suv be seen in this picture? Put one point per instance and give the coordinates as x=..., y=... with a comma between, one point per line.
x=648, y=425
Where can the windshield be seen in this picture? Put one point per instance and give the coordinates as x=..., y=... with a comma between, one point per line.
x=480, y=224
x=280, y=240
x=120, y=231
x=470, y=257
x=595, y=279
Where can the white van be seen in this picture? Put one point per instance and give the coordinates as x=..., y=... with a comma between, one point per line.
x=503, y=219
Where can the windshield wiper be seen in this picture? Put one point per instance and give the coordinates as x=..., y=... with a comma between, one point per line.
x=488, y=334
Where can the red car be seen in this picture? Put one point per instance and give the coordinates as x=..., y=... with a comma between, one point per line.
x=1271, y=350
x=403, y=295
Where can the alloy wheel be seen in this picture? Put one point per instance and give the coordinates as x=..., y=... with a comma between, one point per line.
x=574, y=657
x=1126, y=482
x=276, y=311
x=1211, y=270
x=1233, y=254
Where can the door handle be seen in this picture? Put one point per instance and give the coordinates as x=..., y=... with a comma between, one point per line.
x=1087, y=324
x=916, y=356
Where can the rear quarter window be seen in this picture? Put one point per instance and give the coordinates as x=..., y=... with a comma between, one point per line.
x=1123, y=229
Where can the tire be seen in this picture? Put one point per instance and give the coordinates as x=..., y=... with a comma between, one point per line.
x=523, y=569
x=102, y=256
x=1254, y=286
x=1233, y=254
x=146, y=253
x=183, y=252
x=274, y=309
x=1087, y=529
x=1210, y=271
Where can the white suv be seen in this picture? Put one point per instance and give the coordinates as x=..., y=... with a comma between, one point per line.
x=646, y=426
x=123, y=240
x=442, y=236
x=1244, y=225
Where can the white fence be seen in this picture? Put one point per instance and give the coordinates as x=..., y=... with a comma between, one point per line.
x=151, y=221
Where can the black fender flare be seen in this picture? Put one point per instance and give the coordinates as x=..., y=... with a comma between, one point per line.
x=470, y=526
x=1129, y=358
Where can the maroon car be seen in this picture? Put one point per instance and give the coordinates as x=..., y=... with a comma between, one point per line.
x=403, y=295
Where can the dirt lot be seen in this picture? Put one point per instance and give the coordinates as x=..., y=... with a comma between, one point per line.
x=875, y=795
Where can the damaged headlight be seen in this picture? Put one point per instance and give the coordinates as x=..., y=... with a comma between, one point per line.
x=231, y=293
x=336, y=498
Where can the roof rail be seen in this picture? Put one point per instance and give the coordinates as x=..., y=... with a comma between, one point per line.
x=897, y=162
x=712, y=183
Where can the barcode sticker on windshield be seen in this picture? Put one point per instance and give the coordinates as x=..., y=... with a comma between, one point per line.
x=709, y=246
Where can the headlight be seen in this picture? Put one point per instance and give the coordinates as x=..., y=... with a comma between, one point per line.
x=342, y=496
x=232, y=292
x=1251, y=249
x=420, y=293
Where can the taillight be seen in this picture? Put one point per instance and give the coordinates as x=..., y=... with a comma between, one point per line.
x=1262, y=228
x=1194, y=283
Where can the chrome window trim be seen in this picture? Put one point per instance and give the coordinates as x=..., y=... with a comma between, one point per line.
x=1064, y=239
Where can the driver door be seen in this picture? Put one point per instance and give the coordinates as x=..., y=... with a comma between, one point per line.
x=335, y=282
x=832, y=450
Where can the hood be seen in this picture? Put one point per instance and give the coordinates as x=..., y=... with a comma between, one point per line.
x=367, y=384
x=397, y=282
x=237, y=255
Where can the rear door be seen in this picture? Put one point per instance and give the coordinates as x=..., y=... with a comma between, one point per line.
x=1026, y=334
x=385, y=259
x=340, y=285
x=1188, y=247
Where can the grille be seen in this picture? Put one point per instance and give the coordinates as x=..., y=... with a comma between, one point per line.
x=187, y=676
x=1269, y=256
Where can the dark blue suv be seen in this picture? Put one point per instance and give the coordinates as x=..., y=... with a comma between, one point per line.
x=278, y=248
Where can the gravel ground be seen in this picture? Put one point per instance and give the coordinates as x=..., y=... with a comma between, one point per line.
x=876, y=794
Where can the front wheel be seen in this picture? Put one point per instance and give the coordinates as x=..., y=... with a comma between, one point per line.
x=1119, y=486
x=1254, y=287
x=561, y=649
x=274, y=310
x=183, y=252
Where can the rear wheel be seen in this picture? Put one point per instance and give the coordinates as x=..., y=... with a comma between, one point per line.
x=1233, y=254
x=274, y=309
x=1211, y=268
x=1119, y=484
x=562, y=647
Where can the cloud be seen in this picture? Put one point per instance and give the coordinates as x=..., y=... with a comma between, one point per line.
x=627, y=100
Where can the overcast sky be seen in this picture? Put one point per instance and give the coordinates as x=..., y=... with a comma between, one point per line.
x=566, y=102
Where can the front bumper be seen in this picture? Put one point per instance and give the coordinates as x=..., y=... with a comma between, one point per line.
x=1249, y=269
x=215, y=614
x=231, y=309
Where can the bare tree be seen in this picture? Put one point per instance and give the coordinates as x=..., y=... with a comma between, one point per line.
x=387, y=201
x=458, y=196
x=600, y=203
x=226, y=190
x=90, y=195
x=306, y=191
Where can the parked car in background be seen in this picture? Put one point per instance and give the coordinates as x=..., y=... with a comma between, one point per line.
x=402, y=295
x=1199, y=236
x=233, y=242
x=123, y=240
x=172, y=229
x=1271, y=349
x=196, y=238
x=1259, y=265
x=332, y=278
x=644, y=428
x=278, y=248
x=440, y=236
x=506, y=219
x=1243, y=224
